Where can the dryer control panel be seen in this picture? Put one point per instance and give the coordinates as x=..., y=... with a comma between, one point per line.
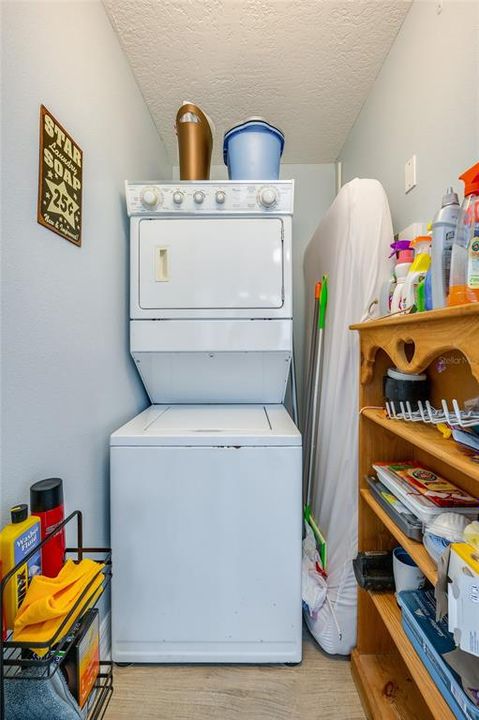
x=210, y=198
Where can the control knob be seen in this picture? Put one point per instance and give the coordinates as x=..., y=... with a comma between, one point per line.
x=220, y=197
x=150, y=197
x=178, y=197
x=198, y=197
x=268, y=197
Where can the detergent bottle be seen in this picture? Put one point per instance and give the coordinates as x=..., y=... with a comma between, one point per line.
x=17, y=540
x=464, y=278
x=417, y=271
x=443, y=232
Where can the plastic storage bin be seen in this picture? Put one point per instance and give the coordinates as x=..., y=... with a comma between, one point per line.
x=252, y=150
x=418, y=504
x=432, y=640
x=404, y=519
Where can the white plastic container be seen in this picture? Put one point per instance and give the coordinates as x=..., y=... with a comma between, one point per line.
x=418, y=504
x=386, y=296
x=252, y=150
x=443, y=231
x=442, y=531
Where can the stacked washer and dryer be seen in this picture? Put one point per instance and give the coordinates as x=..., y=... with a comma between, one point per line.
x=206, y=516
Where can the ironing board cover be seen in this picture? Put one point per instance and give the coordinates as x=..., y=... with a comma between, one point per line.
x=350, y=245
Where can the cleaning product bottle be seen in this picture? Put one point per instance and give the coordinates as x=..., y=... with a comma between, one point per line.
x=421, y=295
x=401, y=271
x=443, y=231
x=417, y=271
x=425, y=287
x=46, y=502
x=16, y=540
x=404, y=256
x=428, y=304
x=464, y=278
x=386, y=295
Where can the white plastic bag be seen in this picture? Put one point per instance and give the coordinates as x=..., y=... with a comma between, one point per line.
x=313, y=582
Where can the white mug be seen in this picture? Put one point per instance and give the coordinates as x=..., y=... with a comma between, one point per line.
x=407, y=575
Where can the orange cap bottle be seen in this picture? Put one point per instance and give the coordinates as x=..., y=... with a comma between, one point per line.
x=470, y=179
x=464, y=276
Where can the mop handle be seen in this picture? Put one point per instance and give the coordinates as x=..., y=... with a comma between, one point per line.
x=316, y=386
x=309, y=387
x=323, y=303
x=312, y=348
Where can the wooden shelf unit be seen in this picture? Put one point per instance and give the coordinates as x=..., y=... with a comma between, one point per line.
x=391, y=678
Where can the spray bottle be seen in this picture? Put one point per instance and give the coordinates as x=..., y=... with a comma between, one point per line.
x=443, y=231
x=464, y=278
x=404, y=257
x=417, y=271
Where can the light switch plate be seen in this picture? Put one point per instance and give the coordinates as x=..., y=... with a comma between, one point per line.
x=410, y=174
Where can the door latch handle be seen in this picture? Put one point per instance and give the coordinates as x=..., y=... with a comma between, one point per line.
x=162, y=270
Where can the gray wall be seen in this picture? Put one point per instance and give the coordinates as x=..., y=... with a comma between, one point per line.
x=67, y=377
x=313, y=194
x=424, y=101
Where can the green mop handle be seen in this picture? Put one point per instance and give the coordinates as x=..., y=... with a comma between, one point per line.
x=323, y=303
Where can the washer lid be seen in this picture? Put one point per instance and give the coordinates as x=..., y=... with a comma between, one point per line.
x=209, y=425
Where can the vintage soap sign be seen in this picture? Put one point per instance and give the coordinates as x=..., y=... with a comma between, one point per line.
x=60, y=181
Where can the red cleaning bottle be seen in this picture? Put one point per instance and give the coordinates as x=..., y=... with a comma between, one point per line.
x=46, y=502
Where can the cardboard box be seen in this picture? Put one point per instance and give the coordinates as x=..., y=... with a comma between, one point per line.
x=463, y=597
x=82, y=662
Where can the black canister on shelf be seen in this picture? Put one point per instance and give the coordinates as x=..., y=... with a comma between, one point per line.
x=46, y=502
x=405, y=387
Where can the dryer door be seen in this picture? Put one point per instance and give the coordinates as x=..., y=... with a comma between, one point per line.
x=210, y=263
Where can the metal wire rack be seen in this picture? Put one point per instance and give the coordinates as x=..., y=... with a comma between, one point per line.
x=426, y=413
x=19, y=661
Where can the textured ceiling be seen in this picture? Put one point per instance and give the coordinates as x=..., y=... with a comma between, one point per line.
x=305, y=65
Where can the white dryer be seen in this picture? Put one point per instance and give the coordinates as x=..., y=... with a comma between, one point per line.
x=206, y=534
x=211, y=290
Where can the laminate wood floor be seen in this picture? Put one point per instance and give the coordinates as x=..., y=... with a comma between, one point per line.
x=320, y=688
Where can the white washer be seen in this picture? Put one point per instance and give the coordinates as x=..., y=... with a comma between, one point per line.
x=206, y=531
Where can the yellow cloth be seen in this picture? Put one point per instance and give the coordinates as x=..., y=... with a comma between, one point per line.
x=49, y=600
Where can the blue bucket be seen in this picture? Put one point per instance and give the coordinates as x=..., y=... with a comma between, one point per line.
x=252, y=150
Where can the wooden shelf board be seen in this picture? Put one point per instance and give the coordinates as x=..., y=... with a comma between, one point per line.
x=391, y=615
x=372, y=675
x=427, y=438
x=416, y=549
x=431, y=316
